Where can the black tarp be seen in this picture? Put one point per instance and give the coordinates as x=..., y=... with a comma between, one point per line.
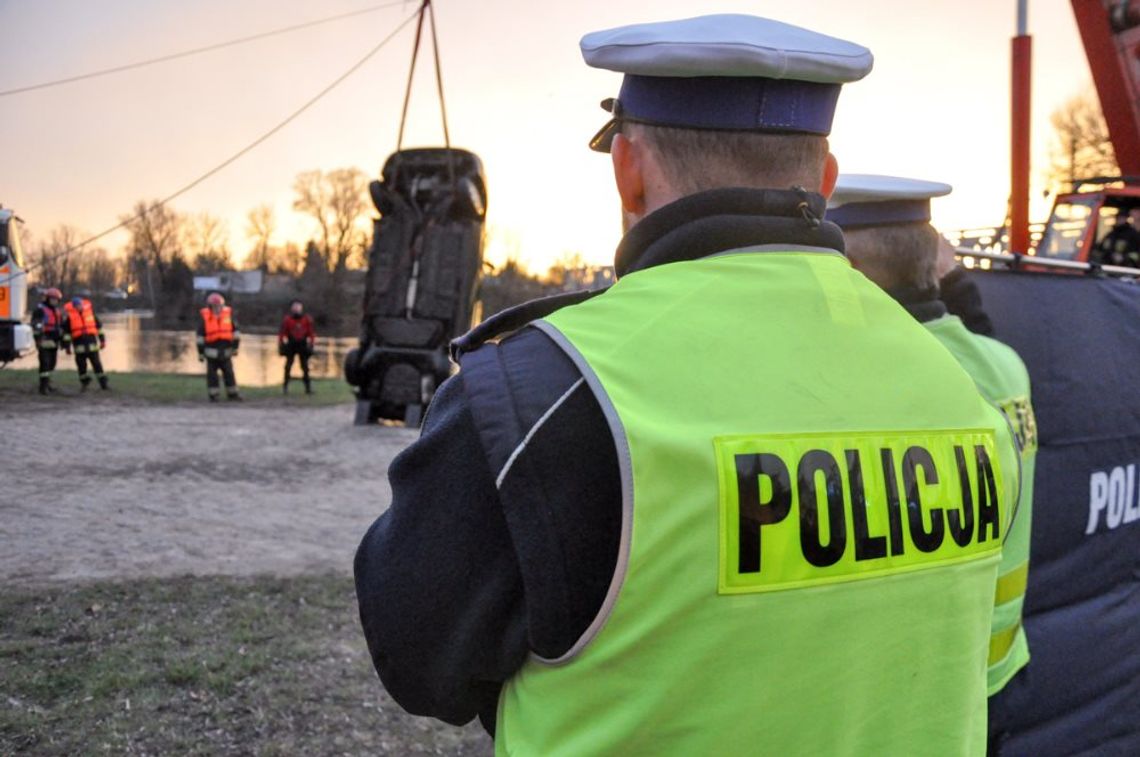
x=1080, y=339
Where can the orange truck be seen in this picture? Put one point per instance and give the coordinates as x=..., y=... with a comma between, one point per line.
x=1083, y=218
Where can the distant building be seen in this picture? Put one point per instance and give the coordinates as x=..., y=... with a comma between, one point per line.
x=244, y=282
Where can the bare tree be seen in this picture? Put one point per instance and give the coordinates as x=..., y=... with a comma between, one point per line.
x=100, y=271
x=154, y=252
x=567, y=270
x=338, y=203
x=261, y=225
x=289, y=259
x=206, y=242
x=58, y=264
x=1080, y=147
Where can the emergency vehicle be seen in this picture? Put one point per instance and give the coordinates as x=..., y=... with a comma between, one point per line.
x=15, y=335
x=1082, y=217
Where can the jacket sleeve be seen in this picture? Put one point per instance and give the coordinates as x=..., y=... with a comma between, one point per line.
x=437, y=579
x=237, y=331
x=310, y=329
x=283, y=331
x=200, y=335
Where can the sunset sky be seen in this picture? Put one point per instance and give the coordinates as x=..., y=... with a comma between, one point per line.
x=935, y=106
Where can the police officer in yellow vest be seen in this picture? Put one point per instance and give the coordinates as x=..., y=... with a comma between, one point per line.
x=740, y=502
x=886, y=223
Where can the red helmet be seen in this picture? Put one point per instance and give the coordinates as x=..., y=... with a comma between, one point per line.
x=215, y=299
x=53, y=292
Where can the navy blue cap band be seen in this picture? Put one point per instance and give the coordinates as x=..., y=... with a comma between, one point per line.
x=856, y=214
x=730, y=103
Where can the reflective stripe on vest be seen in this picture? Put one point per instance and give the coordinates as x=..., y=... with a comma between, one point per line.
x=81, y=322
x=1002, y=378
x=814, y=496
x=219, y=328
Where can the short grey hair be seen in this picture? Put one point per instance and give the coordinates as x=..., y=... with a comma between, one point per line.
x=895, y=255
x=696, y=160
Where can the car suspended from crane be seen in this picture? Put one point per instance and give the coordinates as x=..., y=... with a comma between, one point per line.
x=425, y=263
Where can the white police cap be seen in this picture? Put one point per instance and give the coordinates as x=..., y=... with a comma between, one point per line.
x=724, y=72
x=874, y=200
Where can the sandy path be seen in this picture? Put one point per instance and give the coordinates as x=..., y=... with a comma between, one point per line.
x=121, y=490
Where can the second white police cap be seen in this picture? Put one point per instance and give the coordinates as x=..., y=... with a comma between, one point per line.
x=862, y=200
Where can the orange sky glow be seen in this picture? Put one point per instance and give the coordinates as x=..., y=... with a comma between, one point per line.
x=517, y=94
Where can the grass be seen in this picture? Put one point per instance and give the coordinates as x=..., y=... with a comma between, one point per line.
x=200, y=666
x=168, y=388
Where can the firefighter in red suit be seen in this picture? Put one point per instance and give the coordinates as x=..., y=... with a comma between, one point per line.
x=296, y=339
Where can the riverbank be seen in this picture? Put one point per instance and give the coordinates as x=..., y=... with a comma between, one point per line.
x=22, y=385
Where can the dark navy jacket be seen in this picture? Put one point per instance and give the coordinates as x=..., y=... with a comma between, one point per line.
x=503, y=530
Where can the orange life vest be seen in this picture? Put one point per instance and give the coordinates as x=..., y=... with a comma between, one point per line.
x=81, y=320
x=219, y=328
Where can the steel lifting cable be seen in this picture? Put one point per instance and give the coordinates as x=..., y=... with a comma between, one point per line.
x=425, y=7
x=186, y=188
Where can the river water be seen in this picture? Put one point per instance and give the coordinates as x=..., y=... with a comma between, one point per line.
x=133, y=346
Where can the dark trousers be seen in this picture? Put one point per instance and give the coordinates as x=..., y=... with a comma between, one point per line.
x=225, y=366
x=302, y=353
x=48, y=357
x=85, y=353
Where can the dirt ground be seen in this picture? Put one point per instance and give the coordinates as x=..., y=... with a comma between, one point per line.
x=98, y=491
x=121, y=489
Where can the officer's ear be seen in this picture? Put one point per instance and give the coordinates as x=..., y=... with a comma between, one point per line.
x=830, y=175
x=629, y=173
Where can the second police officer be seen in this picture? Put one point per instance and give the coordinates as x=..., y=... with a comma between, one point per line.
x=886, y=222
x=739, y=503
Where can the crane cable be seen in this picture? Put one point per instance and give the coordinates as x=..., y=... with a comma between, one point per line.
x=183, y=190
x=197, y=50
x=425, y=7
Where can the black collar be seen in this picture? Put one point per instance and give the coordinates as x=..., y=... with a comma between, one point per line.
x=923, y=304
x=692, y=227
x=726, y=219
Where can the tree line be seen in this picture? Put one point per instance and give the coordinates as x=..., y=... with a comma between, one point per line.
x=166, y=248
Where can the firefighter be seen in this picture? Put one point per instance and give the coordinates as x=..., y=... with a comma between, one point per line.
x=83, y=332
x=610, y=538
x=47, y=328
x=886, y=222
x=218, y=340
x=296, y=339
